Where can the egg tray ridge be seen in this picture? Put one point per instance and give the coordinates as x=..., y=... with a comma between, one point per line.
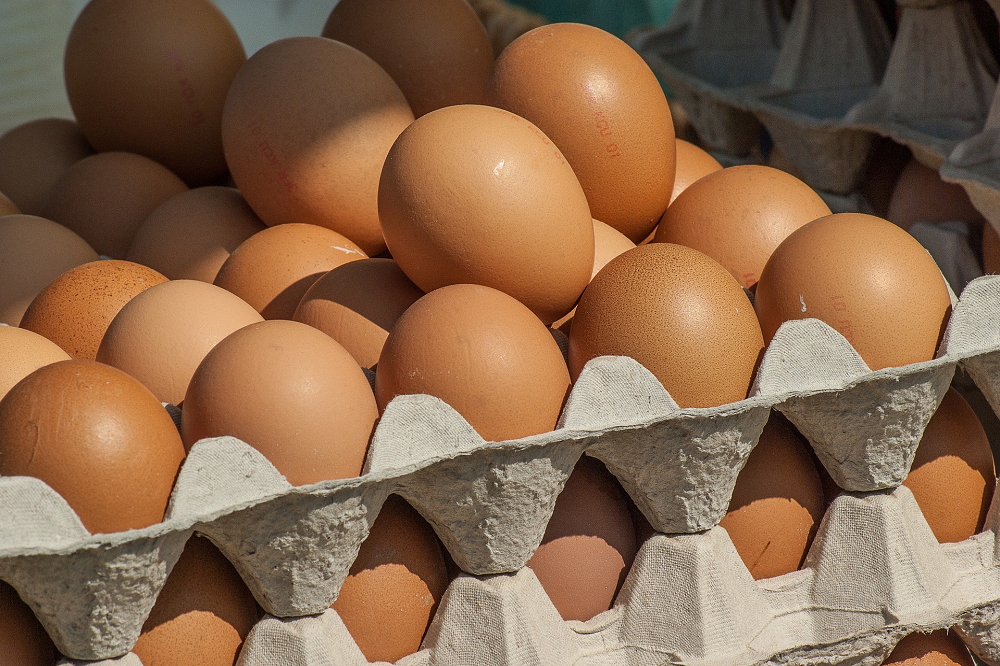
x=488, y=502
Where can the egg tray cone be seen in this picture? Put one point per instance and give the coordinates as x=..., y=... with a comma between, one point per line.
x=489, y=502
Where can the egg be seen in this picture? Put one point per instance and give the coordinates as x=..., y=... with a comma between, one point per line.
x=601, y=104
x=953, y=475
x=33, y=252
x=21, y=353
x=357, y=304
x=272, y=269
x=436, y=51
x=395, y=584
x=105, y=197
x=678, y=313
x=938, y=648
x=474, y=194
x=886, y=163
x=7, y=207
x=161, y=335
x=865, y=277
x=483, y=353
x=33, y=156
x=24, y=641
x=97, y=437
x=777, y=502
x=202, y=615
x=693, y=164
x=921, y=196
x=739, y=215
x=300, y=152
x=991, y=250
x=76, y=308
x=589, y=544
x=151, y=78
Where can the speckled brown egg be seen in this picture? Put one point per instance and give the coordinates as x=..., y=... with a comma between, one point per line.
x=33, y=156
x=357, y=304
x=272, y=269
x=991, y=250
x=474, y=194
x=395, y=584
x=680, y=314
x=33, y=252
x=7, y=207
x=161, y=335
x=739, y=215
x=865, y=277
x=190, y=236
x=300, y=153
x=97, y=437
x=693, y=164
x=437, y=51
x=938, y=648
x=601, y=104
x=76, y=308
x=24, y=641
x=921, y=195
x=22, y=352
x=105, y=197
x=483, y=353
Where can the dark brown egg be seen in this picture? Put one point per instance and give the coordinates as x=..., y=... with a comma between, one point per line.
x=921, y=196
x=21, y=353
x=24, y=641
x=7, y=207
x=693, y=164
x=33, y=156
x=991, y=250
x=938, y=648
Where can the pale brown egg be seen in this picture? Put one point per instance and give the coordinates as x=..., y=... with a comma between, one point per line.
x=693, y=164
x=863, y=276
x=677, y=312
x=474, y=194
x=190, y=235
x=76, y=308
x=7, y=207
x=97, y=437
x=161, y=335
x=33, y=252
x=105, y=197
x=739, y=215
x=921, y=195
x=300, y=153
x=991, y=250
x=938, y=648
x=24, y=641
x=21, y=353
x=33, y=156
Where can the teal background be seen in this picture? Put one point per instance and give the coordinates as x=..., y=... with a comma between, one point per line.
x=615, y=16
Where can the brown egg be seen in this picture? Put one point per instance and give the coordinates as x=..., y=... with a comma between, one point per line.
x=677, y=312
x=151, y=78
x=33, y=156
x=105, y=197
x=886, y=163
x=953, y=475
x=863, y=276
x=395, y=584
x=33, y=252
x=481, y=352
x=75, y=310
x=921, y=196
x=97, y=437
x=161, y=335
x=24, y=641
x=739, y=215
x=777, y=503
x=693, y=164
x=991, y=250
x=273, y=269
x=7, y=207
x=202, y=615
x=301, y=154
x=357, y=304
x=938, y=648
x=589, y=544
x=601, y=104
x=436, y=51
x=190, y=236
x=473, y=194
x=21, y=353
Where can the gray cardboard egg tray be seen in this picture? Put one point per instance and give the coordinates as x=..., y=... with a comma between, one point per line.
x=874, y=573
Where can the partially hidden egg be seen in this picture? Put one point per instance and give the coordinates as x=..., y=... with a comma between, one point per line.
x=693, y=164
x=22, y=352
x=7, y=207
x=24, y=641
x=33, y=156
x=938, y=648
x=921, y=195
x=991, y=250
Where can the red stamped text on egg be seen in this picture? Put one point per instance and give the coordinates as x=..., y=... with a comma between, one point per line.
x=268, y=152
x=187, y=90
x=539, y=133
x=843, y=325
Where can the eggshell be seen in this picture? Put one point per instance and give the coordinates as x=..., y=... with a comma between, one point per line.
x=589, y=544
x=105, y=197
x=151, y=78
x=7, y=207
x=601, y=104
x=97, y=437
x=437, y=51
x=777, y=503
x=991, y=250
x=202, y=615
x=938, y=648
x=921, y=196
x=739, y=215
x=693, y=164
x=300, y=152
x=272, y=269
x=394, y=585
x=189, y=236
x=161, y=335
x=680, y=314
x=481, y=352
x=21, y=353
x=33, y=252
x=357, y=304
x=76, y=308
x=291, y=392
x=953, y=475
x=24, y=641
x=473, y=194
x=33, y=156
x=863, y=276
